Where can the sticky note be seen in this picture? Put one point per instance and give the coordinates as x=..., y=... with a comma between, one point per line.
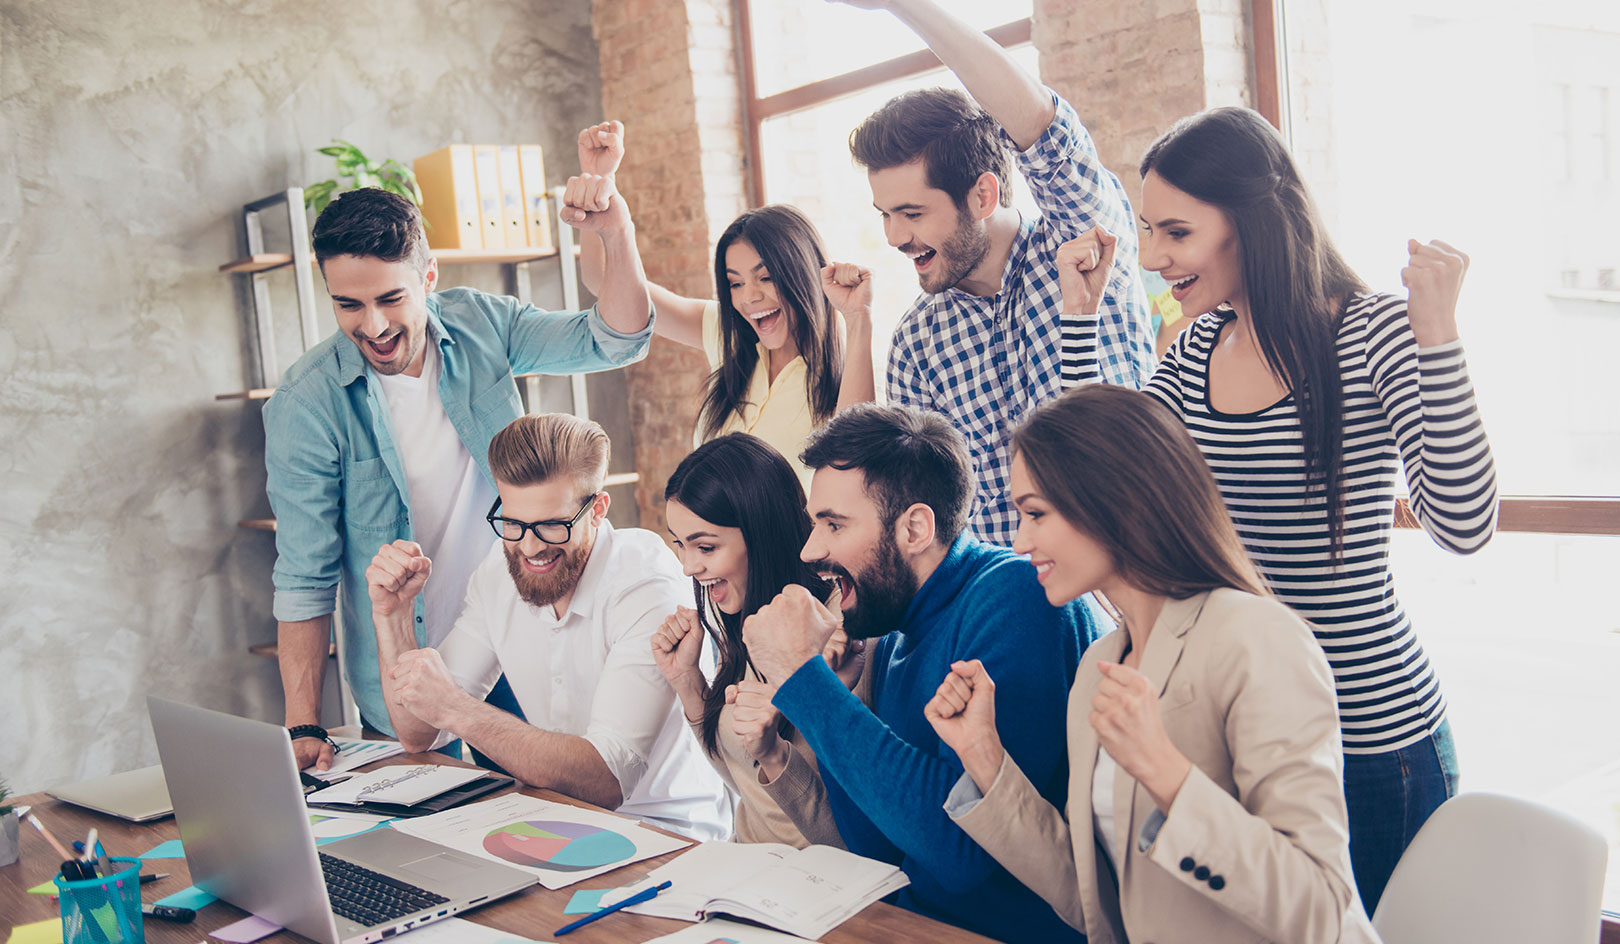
x=46, y=887
x=191, y=897
x=248, y=929
x=586, y=902
x=40, y=932
x=170, y=849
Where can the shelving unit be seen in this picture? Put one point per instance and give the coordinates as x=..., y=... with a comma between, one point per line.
x=256, y=263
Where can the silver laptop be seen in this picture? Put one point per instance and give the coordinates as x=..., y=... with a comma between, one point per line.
x=242, y=819
x=136, y=795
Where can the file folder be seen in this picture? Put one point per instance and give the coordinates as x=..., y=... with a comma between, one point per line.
x=450, y=198
x=487, y=168
x=536, y=211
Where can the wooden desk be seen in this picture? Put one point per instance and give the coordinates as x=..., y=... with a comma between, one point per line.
x=534, y=913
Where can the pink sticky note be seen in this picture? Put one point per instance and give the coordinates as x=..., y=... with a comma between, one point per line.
x=248, y=929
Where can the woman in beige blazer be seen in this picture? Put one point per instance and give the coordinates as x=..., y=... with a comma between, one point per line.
x=1205, y=801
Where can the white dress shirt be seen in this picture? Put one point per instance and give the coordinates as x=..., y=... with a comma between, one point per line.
x=592, y=674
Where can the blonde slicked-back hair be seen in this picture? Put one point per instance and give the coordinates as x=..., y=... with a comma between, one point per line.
x=540, y=447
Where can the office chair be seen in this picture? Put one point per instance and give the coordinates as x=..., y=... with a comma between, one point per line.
x=1491, y=869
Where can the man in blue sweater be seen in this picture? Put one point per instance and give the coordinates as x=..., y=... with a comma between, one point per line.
x=890, y=499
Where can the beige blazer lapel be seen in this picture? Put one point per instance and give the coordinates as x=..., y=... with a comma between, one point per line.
x=1159, y=659
x=1083, y=749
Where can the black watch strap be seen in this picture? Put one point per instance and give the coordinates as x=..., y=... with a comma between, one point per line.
x=311, y=731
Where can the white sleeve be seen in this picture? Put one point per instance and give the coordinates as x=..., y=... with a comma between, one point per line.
x=633, y=701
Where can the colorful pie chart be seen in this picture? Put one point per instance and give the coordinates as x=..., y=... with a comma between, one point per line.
x=564, y=847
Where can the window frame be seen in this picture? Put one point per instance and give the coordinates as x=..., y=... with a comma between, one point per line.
x=757, y=110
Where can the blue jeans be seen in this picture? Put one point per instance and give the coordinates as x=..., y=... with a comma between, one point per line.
x=1390, y=795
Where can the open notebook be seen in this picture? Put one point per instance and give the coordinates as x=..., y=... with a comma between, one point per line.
x=806, y=892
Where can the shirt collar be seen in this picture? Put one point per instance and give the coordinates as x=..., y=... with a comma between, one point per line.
x=1015, y=259
x=588, y=591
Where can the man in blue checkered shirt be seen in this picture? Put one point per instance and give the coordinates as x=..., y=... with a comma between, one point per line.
x=985, y=343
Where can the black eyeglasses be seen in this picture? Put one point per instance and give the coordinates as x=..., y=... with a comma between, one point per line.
x=549, y=532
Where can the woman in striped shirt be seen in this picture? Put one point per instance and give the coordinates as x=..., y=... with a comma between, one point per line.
x=1305, y=393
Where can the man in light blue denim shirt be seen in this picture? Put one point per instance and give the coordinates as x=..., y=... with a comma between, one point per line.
x=381, y=431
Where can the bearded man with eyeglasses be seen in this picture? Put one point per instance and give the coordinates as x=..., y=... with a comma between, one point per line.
x=565, y=606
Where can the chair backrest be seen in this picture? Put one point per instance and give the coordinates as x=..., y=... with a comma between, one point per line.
x=1487, y=868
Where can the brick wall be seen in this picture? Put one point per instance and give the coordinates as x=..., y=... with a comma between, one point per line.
x=1132, y=69
x=669, y=73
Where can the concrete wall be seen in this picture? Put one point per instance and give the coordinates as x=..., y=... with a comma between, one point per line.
x=134, y=133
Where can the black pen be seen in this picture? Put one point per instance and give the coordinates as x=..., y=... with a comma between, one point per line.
x=168, y=913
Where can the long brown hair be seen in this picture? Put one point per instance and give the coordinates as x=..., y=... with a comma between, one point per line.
x=1120, y=468
x=1296, y=282
x=790, y=247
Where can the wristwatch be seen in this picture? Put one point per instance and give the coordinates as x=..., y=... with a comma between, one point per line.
x=311, y=731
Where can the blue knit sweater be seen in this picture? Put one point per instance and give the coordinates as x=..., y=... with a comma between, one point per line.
x=888, y=774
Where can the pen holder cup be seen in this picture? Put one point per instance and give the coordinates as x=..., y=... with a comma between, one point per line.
x=103, y=910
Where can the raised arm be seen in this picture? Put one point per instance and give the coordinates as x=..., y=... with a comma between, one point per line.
x=849, y=288
x=1006, y=92
x=592, y=203
x=601, y=149
x=1421, y=378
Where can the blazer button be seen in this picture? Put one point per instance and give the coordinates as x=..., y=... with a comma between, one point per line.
x=1187, y=864
x=1201, y=873
x=1216, y=882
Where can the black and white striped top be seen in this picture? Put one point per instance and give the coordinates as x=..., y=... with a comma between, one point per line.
x=1401, y=405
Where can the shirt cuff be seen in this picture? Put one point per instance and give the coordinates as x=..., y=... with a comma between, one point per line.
x=599, y=324
x=795, y=780
x=1150, y=830
x=962, y=798
x=1053, y=148
x=1441, y=351
x=290, y=606
x=814, y=684
x=624, y=764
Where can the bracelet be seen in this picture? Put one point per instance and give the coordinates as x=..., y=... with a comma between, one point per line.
x=311, y=731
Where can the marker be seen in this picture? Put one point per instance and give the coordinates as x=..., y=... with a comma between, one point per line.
x=635, y=899
x=169, y=913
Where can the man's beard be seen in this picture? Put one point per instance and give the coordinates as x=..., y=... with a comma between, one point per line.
x=546, y=589
x=960, y=254
x=883, y=592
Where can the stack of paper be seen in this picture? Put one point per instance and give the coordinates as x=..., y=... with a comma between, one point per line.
x=807, y=892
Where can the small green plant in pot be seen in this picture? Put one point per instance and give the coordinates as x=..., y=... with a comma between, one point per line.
x=355, y=170
x=8, y=826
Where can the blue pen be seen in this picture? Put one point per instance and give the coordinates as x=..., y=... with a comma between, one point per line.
x=635, y=899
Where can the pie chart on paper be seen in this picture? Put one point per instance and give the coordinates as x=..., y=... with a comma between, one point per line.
x=563, y=847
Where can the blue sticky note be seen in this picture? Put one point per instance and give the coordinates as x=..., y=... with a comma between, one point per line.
x=170, y=849
x=192, y=897
x=586, y=902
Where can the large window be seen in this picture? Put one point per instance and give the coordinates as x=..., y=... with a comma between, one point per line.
x=819, y=70
x=1490, y=126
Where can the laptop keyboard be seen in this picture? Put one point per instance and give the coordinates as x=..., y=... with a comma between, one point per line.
x=370, y=898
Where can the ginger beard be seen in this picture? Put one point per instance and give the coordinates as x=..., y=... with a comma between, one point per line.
x=546, y=589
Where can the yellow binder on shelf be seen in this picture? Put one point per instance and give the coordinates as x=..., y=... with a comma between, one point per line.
x=536, y=215
x=517, y=229
x=487, y=168
x=450, y=198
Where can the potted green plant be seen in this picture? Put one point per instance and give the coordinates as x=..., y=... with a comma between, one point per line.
x=355, y=170
x=8, y=826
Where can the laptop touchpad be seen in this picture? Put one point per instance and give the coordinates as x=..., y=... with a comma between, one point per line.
x=440, y=867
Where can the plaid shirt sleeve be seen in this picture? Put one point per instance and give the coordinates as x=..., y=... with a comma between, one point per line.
x=1076, y=192
x=1065, y=175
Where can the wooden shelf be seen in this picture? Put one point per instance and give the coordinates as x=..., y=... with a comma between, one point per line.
x=257, y=524
x=257, y=393
x=622, y=478
x=265, y=261
x=269, y=649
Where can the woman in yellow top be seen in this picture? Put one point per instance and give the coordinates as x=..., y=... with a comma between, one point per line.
x=782, y=360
